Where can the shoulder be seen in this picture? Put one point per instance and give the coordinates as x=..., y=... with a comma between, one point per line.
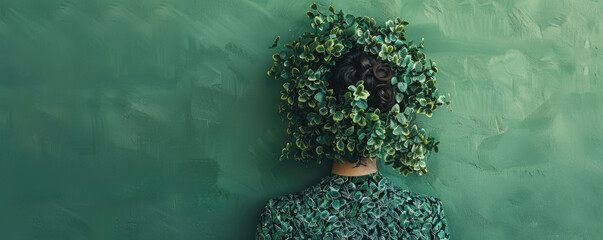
x=283, y=203
x=428, y=204
x=288, y=207
x=307, y=197
x=290, y=203
x=427, y=213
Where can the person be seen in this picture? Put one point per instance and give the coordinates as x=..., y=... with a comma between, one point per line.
x=355, y=201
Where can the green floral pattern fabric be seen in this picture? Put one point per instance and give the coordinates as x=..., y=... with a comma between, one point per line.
x=358, y=207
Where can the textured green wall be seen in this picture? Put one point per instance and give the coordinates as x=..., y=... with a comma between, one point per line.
x=156, y=120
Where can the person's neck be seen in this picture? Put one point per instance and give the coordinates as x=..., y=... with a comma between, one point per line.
x=368, y=166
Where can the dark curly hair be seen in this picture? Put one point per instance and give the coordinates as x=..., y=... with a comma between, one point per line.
x=360, y=65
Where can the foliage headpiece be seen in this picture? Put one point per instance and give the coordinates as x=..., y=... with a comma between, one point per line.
x=322, y=127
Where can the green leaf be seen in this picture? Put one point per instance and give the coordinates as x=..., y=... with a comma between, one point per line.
x=398, y=43
x=329, y=43
x=319, y=96
x=340, y=146
x=318, y=20
x=322, y=139
x=356, y=118
x=338, y=116
x=275, y=42
x=349, y=131
x=441, y=99
x=402, y=86
x=397, y=130
x=401, y=118
x=319, y=150
x=420, y=78
x=395, y=59
x=422, y=102
x=360, y=85
x=364, y=94
x=405, y=131
x=313, y=117
x=361, y=136
x=320, y=48
x=362, y=104
x=399, y=28
x=362, y=122
x=351, y=146
x=302, y=98
x=373, y=117
x=338, y=47
x=349, y=19
x=389, y=23
x=347, y=96
x=323, y=111
x=406, y=61
x=395, y=108
x=399, y=97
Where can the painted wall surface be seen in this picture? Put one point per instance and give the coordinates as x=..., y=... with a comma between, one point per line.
x=155, y=119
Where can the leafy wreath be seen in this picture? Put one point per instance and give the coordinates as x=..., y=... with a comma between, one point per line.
x=321, y=127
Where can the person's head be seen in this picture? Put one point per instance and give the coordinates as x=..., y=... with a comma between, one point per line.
x=360, y=65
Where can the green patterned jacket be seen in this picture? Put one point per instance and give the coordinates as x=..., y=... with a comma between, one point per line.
x=359, y=207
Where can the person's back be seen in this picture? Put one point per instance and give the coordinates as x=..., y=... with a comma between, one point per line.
x=353, y=207
x=355, y=201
